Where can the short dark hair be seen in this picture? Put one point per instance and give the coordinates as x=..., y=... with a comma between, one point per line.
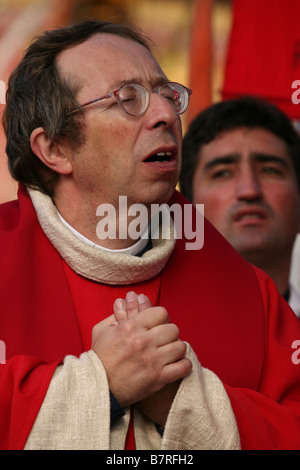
x=246, y=111
x=37, y=96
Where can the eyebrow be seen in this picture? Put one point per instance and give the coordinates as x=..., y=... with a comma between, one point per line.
x=266, y=158
x=123, y=82
x=224, y=160
x=256, y=156
x=157, y=82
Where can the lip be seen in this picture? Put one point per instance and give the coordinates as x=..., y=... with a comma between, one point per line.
x=250, y=216
x=169, y=163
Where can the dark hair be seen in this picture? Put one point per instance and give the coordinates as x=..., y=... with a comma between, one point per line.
x=37, y=96
x=246, y=111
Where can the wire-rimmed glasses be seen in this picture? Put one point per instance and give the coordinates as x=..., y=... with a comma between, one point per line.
x=134, y=98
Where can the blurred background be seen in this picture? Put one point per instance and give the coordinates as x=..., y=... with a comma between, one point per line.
x=219, y=48
x=179, y=28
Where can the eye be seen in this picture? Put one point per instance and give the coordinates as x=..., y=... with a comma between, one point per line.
x=168, y=92
x=172, y=96
x=221, y=173
x=127, y=95
x=272, y=170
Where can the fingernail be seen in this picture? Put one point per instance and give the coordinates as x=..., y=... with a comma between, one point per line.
x=141, y=298
x=131, y=296
x=118, y=304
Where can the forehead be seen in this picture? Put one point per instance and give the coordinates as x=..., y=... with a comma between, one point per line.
x=106, y=58
x=245, y=143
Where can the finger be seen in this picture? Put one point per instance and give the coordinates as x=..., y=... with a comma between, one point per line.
x=176, y=370
x=109, y=321
x=120, y=311
x=132, y=306
x=143, y=302
x=172, y=352
x=153, y=316
x=164, y=334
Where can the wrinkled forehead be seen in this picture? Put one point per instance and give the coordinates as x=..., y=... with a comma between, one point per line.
x=108, y=58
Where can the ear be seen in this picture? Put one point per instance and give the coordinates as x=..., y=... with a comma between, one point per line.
x=53, y=154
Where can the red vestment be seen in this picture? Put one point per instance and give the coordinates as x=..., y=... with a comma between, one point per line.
x=230, y=313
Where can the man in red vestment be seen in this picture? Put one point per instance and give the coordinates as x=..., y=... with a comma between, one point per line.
x=241, y=159
x=118, y=342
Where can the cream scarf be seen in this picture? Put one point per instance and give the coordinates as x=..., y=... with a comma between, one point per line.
x=94, y=263
x=76, y=411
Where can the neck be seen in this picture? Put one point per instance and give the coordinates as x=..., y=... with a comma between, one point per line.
x=138, y=247
x=106, y=225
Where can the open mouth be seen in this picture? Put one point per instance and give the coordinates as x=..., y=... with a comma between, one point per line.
x=250, y=216
x=160, y=157
x=254, y=215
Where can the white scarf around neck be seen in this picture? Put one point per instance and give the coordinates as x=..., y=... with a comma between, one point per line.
x=93, y=263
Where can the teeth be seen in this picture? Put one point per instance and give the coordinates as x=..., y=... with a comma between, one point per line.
x=160, y=156
x=250, y=216
x=164, y=156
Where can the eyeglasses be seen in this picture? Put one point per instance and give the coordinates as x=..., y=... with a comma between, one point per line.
x=134, y=98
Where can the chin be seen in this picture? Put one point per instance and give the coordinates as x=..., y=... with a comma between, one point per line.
x=163, y=198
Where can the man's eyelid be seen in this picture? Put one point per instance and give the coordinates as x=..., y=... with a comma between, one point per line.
x=221, y=171
x=275, y=167
x=278, y=165
x=219, y=164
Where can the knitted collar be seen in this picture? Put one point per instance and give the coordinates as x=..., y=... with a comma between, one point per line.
x=96, y=264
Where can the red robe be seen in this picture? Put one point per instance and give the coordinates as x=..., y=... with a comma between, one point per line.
x=230, y=312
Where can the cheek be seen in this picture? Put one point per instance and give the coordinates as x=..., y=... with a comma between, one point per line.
x=216, y=204
x=285, y=202
x=109, y=133
x=284, y=198
x=110, y=145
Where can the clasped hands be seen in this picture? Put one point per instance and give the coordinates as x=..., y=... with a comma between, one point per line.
x=142, y=354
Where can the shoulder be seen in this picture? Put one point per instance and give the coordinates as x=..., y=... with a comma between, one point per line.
x=8, y=214
x=17, y=213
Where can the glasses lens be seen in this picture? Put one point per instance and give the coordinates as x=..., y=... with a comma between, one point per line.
x=133, y=99
x=177, y=95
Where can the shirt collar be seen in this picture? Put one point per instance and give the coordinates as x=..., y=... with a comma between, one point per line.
x=134, y=249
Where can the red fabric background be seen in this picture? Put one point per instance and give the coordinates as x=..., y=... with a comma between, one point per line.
x=264, y=52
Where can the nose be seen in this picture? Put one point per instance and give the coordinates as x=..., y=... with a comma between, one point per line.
x=160, y=112
x=248, y=186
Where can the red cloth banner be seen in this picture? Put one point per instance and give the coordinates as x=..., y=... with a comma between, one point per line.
x=264, y=53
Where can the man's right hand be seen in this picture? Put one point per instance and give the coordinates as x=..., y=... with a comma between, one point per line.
x=141, y=353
